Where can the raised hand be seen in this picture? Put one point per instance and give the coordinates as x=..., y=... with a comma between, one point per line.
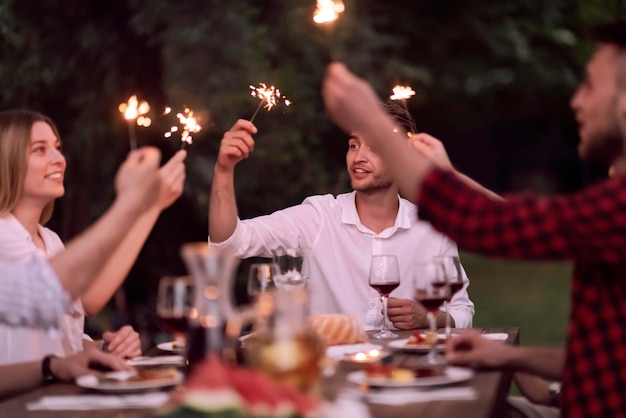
x=137, y=180
x=432, y=148
x=124, y=343
x=236, y=145
x=172, y=176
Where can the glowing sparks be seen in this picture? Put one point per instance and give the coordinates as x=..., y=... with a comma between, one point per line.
x=134, y=111
x=270, y=96
x=328, y=10
x=402, y=93
x=188, y=125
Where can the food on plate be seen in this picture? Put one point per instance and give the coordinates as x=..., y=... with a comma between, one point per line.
x=217, y=390
x=146, y=374
x=337, y=329
x=402, y=374
x=428, y=337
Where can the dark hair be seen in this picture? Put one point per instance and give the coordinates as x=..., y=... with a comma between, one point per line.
x=611, y=32
x=401, y=116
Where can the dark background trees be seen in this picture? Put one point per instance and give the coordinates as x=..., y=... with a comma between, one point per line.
x=493, y=80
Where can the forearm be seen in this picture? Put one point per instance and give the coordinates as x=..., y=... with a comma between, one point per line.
x=408, y=166
x=534, y=388
x=540, y=361
x=222, y=206
x=119, y=264
x=86, y=255
x=19, y=377
x=477, y=186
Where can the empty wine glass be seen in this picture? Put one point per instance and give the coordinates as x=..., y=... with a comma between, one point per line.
x=384, y=277
x=261, y=279
x=175, y=306
x=431, y=290
x=290, y=263
x=450, y=267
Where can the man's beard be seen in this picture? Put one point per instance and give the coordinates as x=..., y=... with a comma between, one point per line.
x=603, y=149
x=374, y=186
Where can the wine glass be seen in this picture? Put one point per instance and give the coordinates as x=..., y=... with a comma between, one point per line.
x=384, y=277
x=261, y=279
x=175, y=306
x=290, y=263
x=431, y=290
x=450, y=267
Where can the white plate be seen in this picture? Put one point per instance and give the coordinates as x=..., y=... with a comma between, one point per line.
x=175, y=360
x=417, y=348
x=497, y=336
x=169, y=346
x=122, y=385
x=340, y=352
x=452, y=375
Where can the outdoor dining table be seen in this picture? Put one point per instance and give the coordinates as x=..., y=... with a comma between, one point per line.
x=491, y=386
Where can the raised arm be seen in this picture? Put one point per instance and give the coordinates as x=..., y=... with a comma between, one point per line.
x=172, y=176
x=137, y=186
x=236, y=145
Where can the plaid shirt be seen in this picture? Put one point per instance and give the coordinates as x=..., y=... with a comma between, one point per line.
x=589, y=228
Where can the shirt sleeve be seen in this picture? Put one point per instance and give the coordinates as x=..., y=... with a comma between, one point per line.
x=262, y=235
x=589, y=225
x=31, y=295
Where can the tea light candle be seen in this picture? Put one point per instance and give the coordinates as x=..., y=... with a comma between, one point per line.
x=370, y=356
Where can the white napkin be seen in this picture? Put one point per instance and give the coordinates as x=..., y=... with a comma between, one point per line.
x=406, y=396
x=149, y=361
x=92, y=402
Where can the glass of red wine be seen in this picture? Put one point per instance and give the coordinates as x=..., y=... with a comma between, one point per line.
x=432, y=290
x=174, y=307
x=450, y=267
x=384, y=277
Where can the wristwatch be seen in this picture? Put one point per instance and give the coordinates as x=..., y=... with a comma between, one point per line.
x=554, y=389
x=46, y=371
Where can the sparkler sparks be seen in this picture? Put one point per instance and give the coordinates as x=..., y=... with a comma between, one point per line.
x=268, y=95
x=133, y=112
x=328, y=10
x=188, y=125
x=402, y=93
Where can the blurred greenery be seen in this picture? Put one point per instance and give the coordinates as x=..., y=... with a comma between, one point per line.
x=493, y=82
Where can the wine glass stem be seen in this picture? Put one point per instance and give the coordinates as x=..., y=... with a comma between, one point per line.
x=446, y=305
x=433, y=328
x=384, y=300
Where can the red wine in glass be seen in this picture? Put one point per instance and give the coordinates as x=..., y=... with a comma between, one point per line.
x=384, y=289
x=175, y=325
x=455, y=287
x=432, y=304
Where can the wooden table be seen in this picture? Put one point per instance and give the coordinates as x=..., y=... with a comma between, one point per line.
x=492, y=388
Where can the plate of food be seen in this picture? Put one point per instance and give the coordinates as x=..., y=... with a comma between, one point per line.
x=173, y=346
x=419, y=342
x=394, y=376
x=132, y=381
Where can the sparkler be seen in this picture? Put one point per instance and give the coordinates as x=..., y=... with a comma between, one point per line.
x=133, y=112
x=188, y=125
x=402, y=93
x=326, y=13
x=268, y=95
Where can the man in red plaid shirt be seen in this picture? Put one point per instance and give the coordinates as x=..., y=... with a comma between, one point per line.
x=588, y=227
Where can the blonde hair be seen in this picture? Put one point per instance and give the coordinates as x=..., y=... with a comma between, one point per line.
x=15, y=134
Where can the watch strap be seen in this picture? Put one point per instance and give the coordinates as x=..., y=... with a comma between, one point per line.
x=46, y=371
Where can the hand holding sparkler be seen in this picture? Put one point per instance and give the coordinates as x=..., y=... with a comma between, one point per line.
x=269, y=96
x=134, y=111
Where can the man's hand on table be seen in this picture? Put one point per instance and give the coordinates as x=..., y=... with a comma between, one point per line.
x=69, y=368
x=124, y=343
x=470, y=348
x=406, y=313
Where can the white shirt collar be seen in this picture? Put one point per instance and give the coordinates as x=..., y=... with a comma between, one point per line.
x=350, y=215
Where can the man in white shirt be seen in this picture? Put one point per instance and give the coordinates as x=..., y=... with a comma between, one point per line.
x=341, y=233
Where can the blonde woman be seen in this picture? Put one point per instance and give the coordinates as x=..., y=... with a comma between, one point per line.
x=32, y=169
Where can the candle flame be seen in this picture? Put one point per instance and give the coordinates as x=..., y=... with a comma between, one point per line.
x=328, y=10
x=402, y=93
x=134, y=110
x=270, y=95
